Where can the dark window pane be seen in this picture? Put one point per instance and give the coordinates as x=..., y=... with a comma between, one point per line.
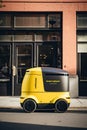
x=48, y=54
x=23, y=37
x=23, y=60
x=33, y=21
x=52, y=36
x=4, y=61
x=82, y=20
x=54, y=20
x=5, y=37
x=82, y=37
x=55, y=83
x=5, y=20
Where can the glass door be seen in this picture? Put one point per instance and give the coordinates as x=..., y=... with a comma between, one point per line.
x=23, y=61
x=5, y=69
x=82, y=66
x=47, y=54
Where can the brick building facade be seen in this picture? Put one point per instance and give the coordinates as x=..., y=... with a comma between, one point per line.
x=43, y=33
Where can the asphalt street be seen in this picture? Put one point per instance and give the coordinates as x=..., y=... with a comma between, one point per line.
x=15, y=119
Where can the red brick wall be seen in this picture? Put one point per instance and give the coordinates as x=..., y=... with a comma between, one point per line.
x=69, y=9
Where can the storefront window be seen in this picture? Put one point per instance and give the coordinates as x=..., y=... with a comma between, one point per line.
x=82, y=37
x=5, y=61
x=82, y=41
x=38, y=36
x=5, y=20
x=38, y=20
x=52, y=36
x=47, y=54
x=82, y=51
x=54, y=20
x=31, y=39
x=82, y=20
x=82, y=32
x=33, y=21
x=5, y=37
x=23, y=37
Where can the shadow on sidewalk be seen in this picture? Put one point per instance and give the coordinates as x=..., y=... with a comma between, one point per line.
x=22, y=126
x=39, y=111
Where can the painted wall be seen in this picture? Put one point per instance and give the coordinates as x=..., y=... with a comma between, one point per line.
x=69, y=9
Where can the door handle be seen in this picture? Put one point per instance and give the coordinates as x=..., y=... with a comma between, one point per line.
x=14, y=70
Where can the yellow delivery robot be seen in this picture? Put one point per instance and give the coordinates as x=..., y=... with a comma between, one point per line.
x=45, y=88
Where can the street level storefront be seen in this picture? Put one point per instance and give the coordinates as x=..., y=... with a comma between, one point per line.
x=43, y=33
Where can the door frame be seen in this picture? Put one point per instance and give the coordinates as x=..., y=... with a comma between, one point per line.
x=14, y=67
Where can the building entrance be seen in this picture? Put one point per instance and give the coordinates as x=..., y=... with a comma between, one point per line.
x=32, y=55
x=83, y=74
x=16, y=58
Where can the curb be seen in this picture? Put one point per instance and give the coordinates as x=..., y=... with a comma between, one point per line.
x=18, y=107
x=77, y=108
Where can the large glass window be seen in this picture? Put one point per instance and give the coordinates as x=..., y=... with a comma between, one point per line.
x=52, y=20
x=82, y=41
x=82, y=51
x=42, y=29
x=82, y=32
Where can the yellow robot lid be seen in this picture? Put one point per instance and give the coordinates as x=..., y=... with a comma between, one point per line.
x=51, y=70
x=54, y=71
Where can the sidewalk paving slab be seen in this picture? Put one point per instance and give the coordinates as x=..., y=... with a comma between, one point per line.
x=14, y=102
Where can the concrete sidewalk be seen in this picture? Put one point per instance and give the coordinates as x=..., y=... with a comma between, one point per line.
x=14, y=102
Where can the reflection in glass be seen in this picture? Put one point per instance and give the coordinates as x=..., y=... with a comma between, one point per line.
x=82, y=20
x=53, y=36
x=5, y=37
x=33, y=21
x=5, y=20
x=47, y=55
x=82, y=37
x=38, y=37
x=24, y=60
x=23, y=37
x=54, y=20
x=4, y=61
